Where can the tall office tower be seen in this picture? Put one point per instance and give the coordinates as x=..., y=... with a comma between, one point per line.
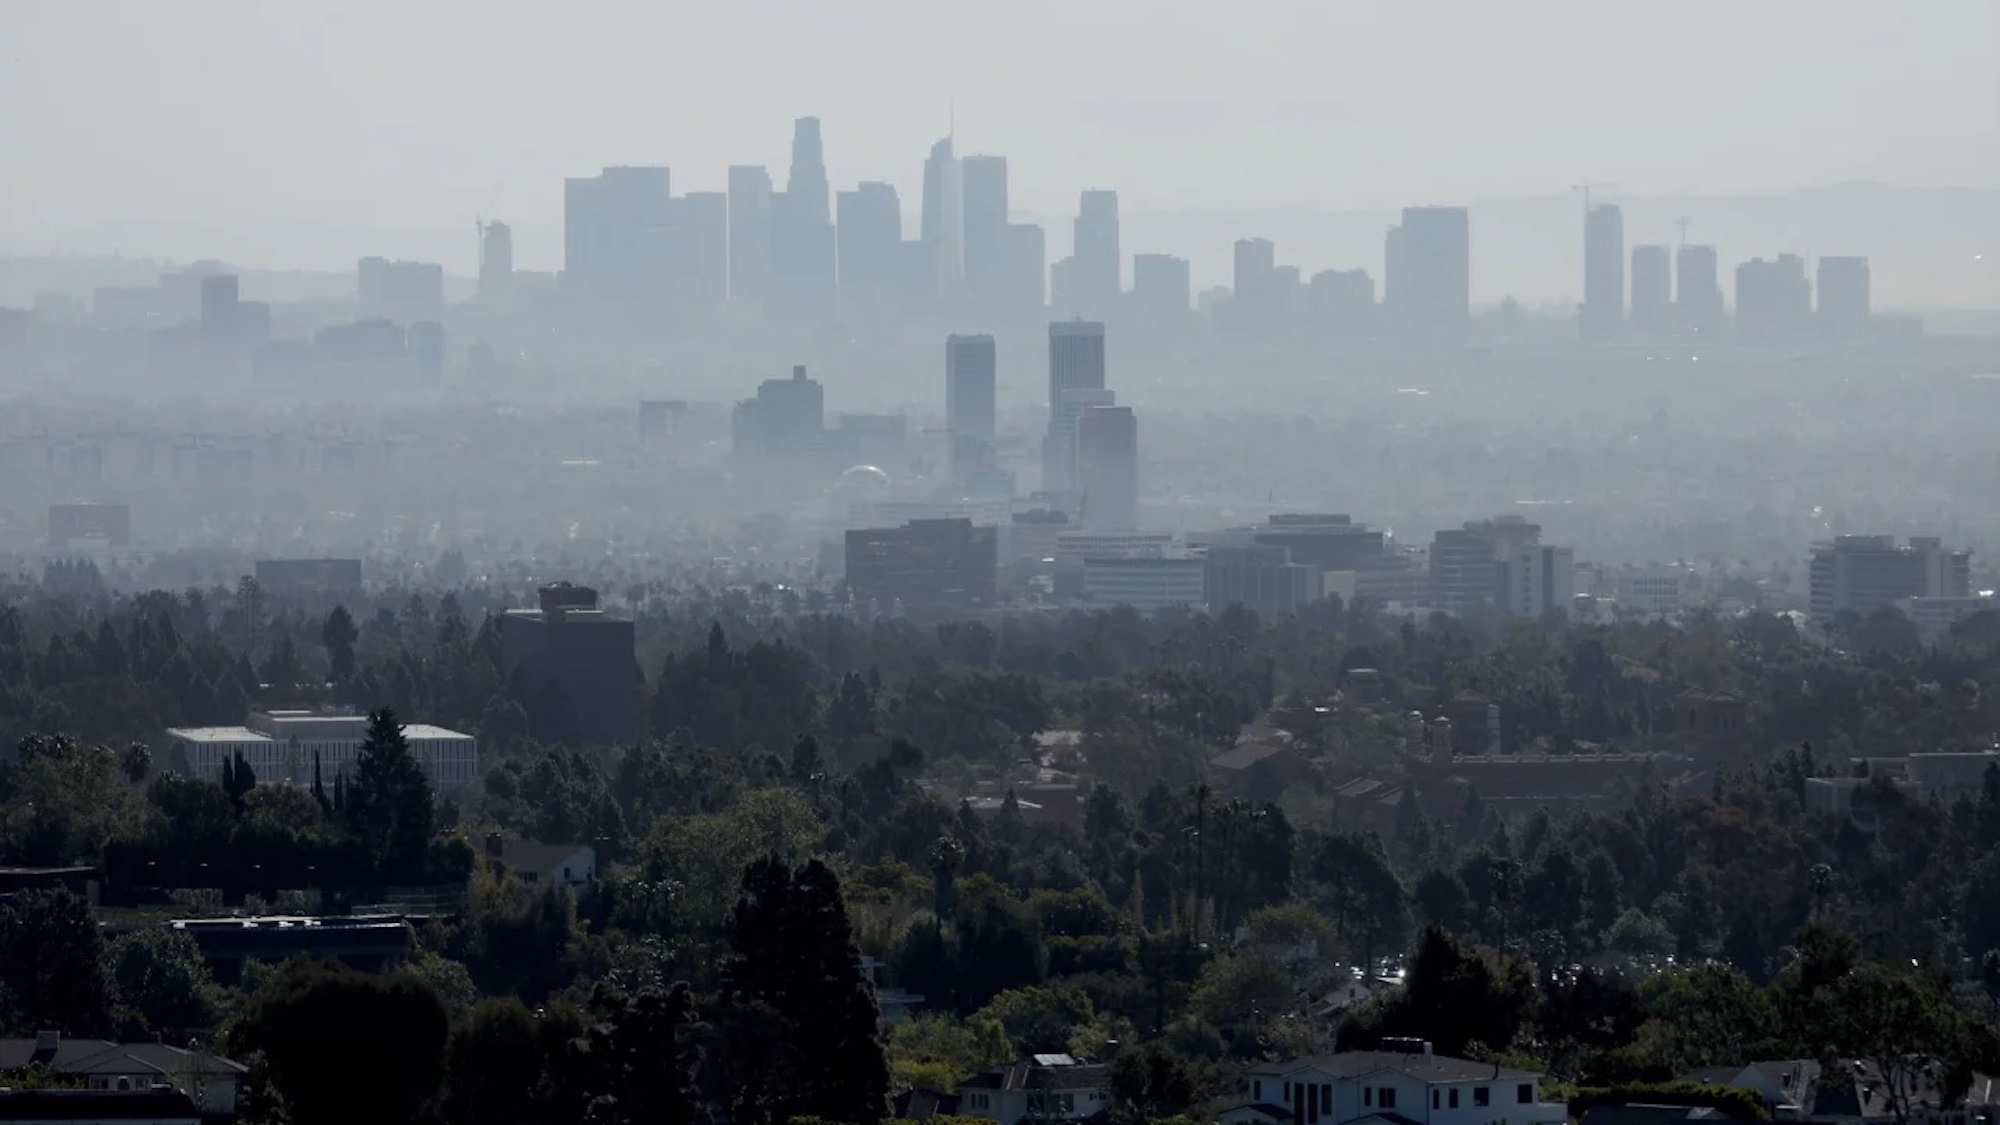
x=496, y=262
x=1652, y=288
x=944, y=218
x=701, y=247
x=400, y=291
x=1342, y=300
x=1162, y=290
x=1060, y=474
x=782, y=429
x=1076, y=358
x=1431, y=269
x=983, y=198
x=802, y=244
x=749, y=233
x=970, y=371
x=1107, y=467
x=1697, y=289
x=871, y=237
x=1844, y=304
x=1603, y=311
x=219, y=307
x=1862, y=573
x=1254, y=286
x=1028, y=270
x=1467, y=563
x=1773, y=299
x=617, y=232
x=1097, y=274
x=1395, y=274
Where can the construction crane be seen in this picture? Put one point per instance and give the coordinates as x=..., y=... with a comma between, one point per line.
x=1683, y=224
x=1586, y=189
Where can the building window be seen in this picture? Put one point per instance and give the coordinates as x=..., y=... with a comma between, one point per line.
x=1257, y=1090
x=1434, y=1099
x=1326, y=1097
x=1526, y=1094
x=1482, y=1096
x=1368, y=1096
x=1387, y=1098
x=1288, y=1092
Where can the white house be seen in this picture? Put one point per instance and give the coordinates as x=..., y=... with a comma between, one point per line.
x=135, y=1068
x=542, y=865
x=1040, y=1088
x=1395, y=1087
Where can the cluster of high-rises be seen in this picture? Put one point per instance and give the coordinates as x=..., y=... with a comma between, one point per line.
x=1679, y=291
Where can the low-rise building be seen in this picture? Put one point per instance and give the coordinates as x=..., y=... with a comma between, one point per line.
x=1145, y=584
x=207, y=1082
x=291, y=746
x=544, y=865
x=1392, y=1087
x=1036, y=1089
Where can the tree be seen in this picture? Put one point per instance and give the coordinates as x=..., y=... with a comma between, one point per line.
x=238, y=779
x=1917, y=1047
x=338, y=634
x=1148, y=1084
x=1453, y=995
x=793, y=953
x=494, y=1066
x=389, y=805
x=640, y=1059
x=164, y=986
x=321, y=1027
x=52, y=966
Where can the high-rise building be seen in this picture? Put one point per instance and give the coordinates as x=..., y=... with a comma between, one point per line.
x=496, y=262
x=219, y=306
x=970, y=373
x=749, y=233
x=1263, y=579
x=1255, y=281
x=1466, y=562
x=931, y=564
x=1844, y=301
x=1773, y=298
x=618, y=232
x=1860, y=574
x=1536, y=580
x=943, y=232
x=1430, y=270
x=1060, y=473
x=802, y=242
x=871, y=237
x=806, y=181
x=1076, y=358
x=1107, y=467
x=1603, y=311
x=1343, y=300
x=1162, y=290
x=1097, y=274
x=579, y=664
x=1652, y=288
x=784, y=425
x=989, y=266
x=1697, y=289
x=400, y=291
x=701, y=247
x=1027, y=256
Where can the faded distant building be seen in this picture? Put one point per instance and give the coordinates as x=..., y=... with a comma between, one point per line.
x=1260, y=578
x=1536, y=580
x=1844, y=296
x=1429, y=275
x=1697, y=289
x=578, y=665
x=1467, y=562
x=1862, y=573
x=309, y=576
x=1603, y=312
x=1773, y=299
x=1146, y=582
x=785, y=424
x=400, y=291
x=1107, y=467
x=75, y=526
x=1652, y=288
x=929, y=564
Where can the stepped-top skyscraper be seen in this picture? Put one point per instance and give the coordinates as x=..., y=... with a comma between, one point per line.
x=806, y=184
x=944, y=218
x=802, y=241
x=1603, y=311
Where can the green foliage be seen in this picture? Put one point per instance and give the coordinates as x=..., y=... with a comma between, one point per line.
x=389, y=807
x=700, y=859
x=1736, y=1102
x=936, y=1052
x=52, y=966
x=319, y=1025
x=1038, y=1020
x=163, y=986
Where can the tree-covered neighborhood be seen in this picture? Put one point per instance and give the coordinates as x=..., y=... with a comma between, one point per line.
x=1327, y=866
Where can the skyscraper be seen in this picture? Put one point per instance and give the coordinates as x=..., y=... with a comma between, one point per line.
x=943, y=231
x=970, y=366
x=983, y=194
x=1076, y=381
x=1773, y=298
x=1107, y=465
x=802, y=244
x=1254, y=282
x=1097, y=274
x=1652, y=288
x=1844, y=298
x=1603, y=311
x=1430, y=269
x=496, y=262
x=701, y=247
x=1162, y=290
x=219, y=303
x=617, y=230
x=871, y=236
x=1028, y=277
x=806, y=182
x=1697, y=289
x=749, y=232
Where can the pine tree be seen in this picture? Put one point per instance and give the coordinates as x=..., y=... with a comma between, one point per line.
x=640, y=1059
x=319, y=786
x=794, y=954
x=389, y=804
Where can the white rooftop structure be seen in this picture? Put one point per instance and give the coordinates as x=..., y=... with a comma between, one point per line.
x=287, y=745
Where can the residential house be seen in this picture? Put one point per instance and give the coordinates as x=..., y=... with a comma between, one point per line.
x=212, y=1081
x=1037, y=1089
x=544, y=865
x=1407, y=1086
x=1853, y=1093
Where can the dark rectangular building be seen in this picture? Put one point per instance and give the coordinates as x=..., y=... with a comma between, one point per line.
x=577, y=664
x=942, y=563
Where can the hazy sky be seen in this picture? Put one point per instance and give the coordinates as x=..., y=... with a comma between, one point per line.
x=422, y=113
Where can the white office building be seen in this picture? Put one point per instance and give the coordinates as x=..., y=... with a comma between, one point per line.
x=286, y=746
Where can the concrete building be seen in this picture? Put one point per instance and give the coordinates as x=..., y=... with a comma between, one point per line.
x=1098, y=266
x=1862, y=573
x=1773, y=299
x=74, y=527
x=290, y=746
x=309, y=576
x=1162, y=291
x=1650, y=593
x=870, y=222
x=785, y=425
x=1263, y=579
x=943, y=219
x=1844, y=298
x=1466, y=562
x=617, y=232
x=749, y=233
x=1429, y=274
x=970, y=373
x=989, y=267
x=1697, y=289
x=1934, y=617
x=1146, y=583
x=400, y=291
x=1603, y=313
x=1536, y=580
x=699, y=252
x=1652, y=289
x=579, y=664
x=496, y=263
x=1107, y=467
x=925, y=564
